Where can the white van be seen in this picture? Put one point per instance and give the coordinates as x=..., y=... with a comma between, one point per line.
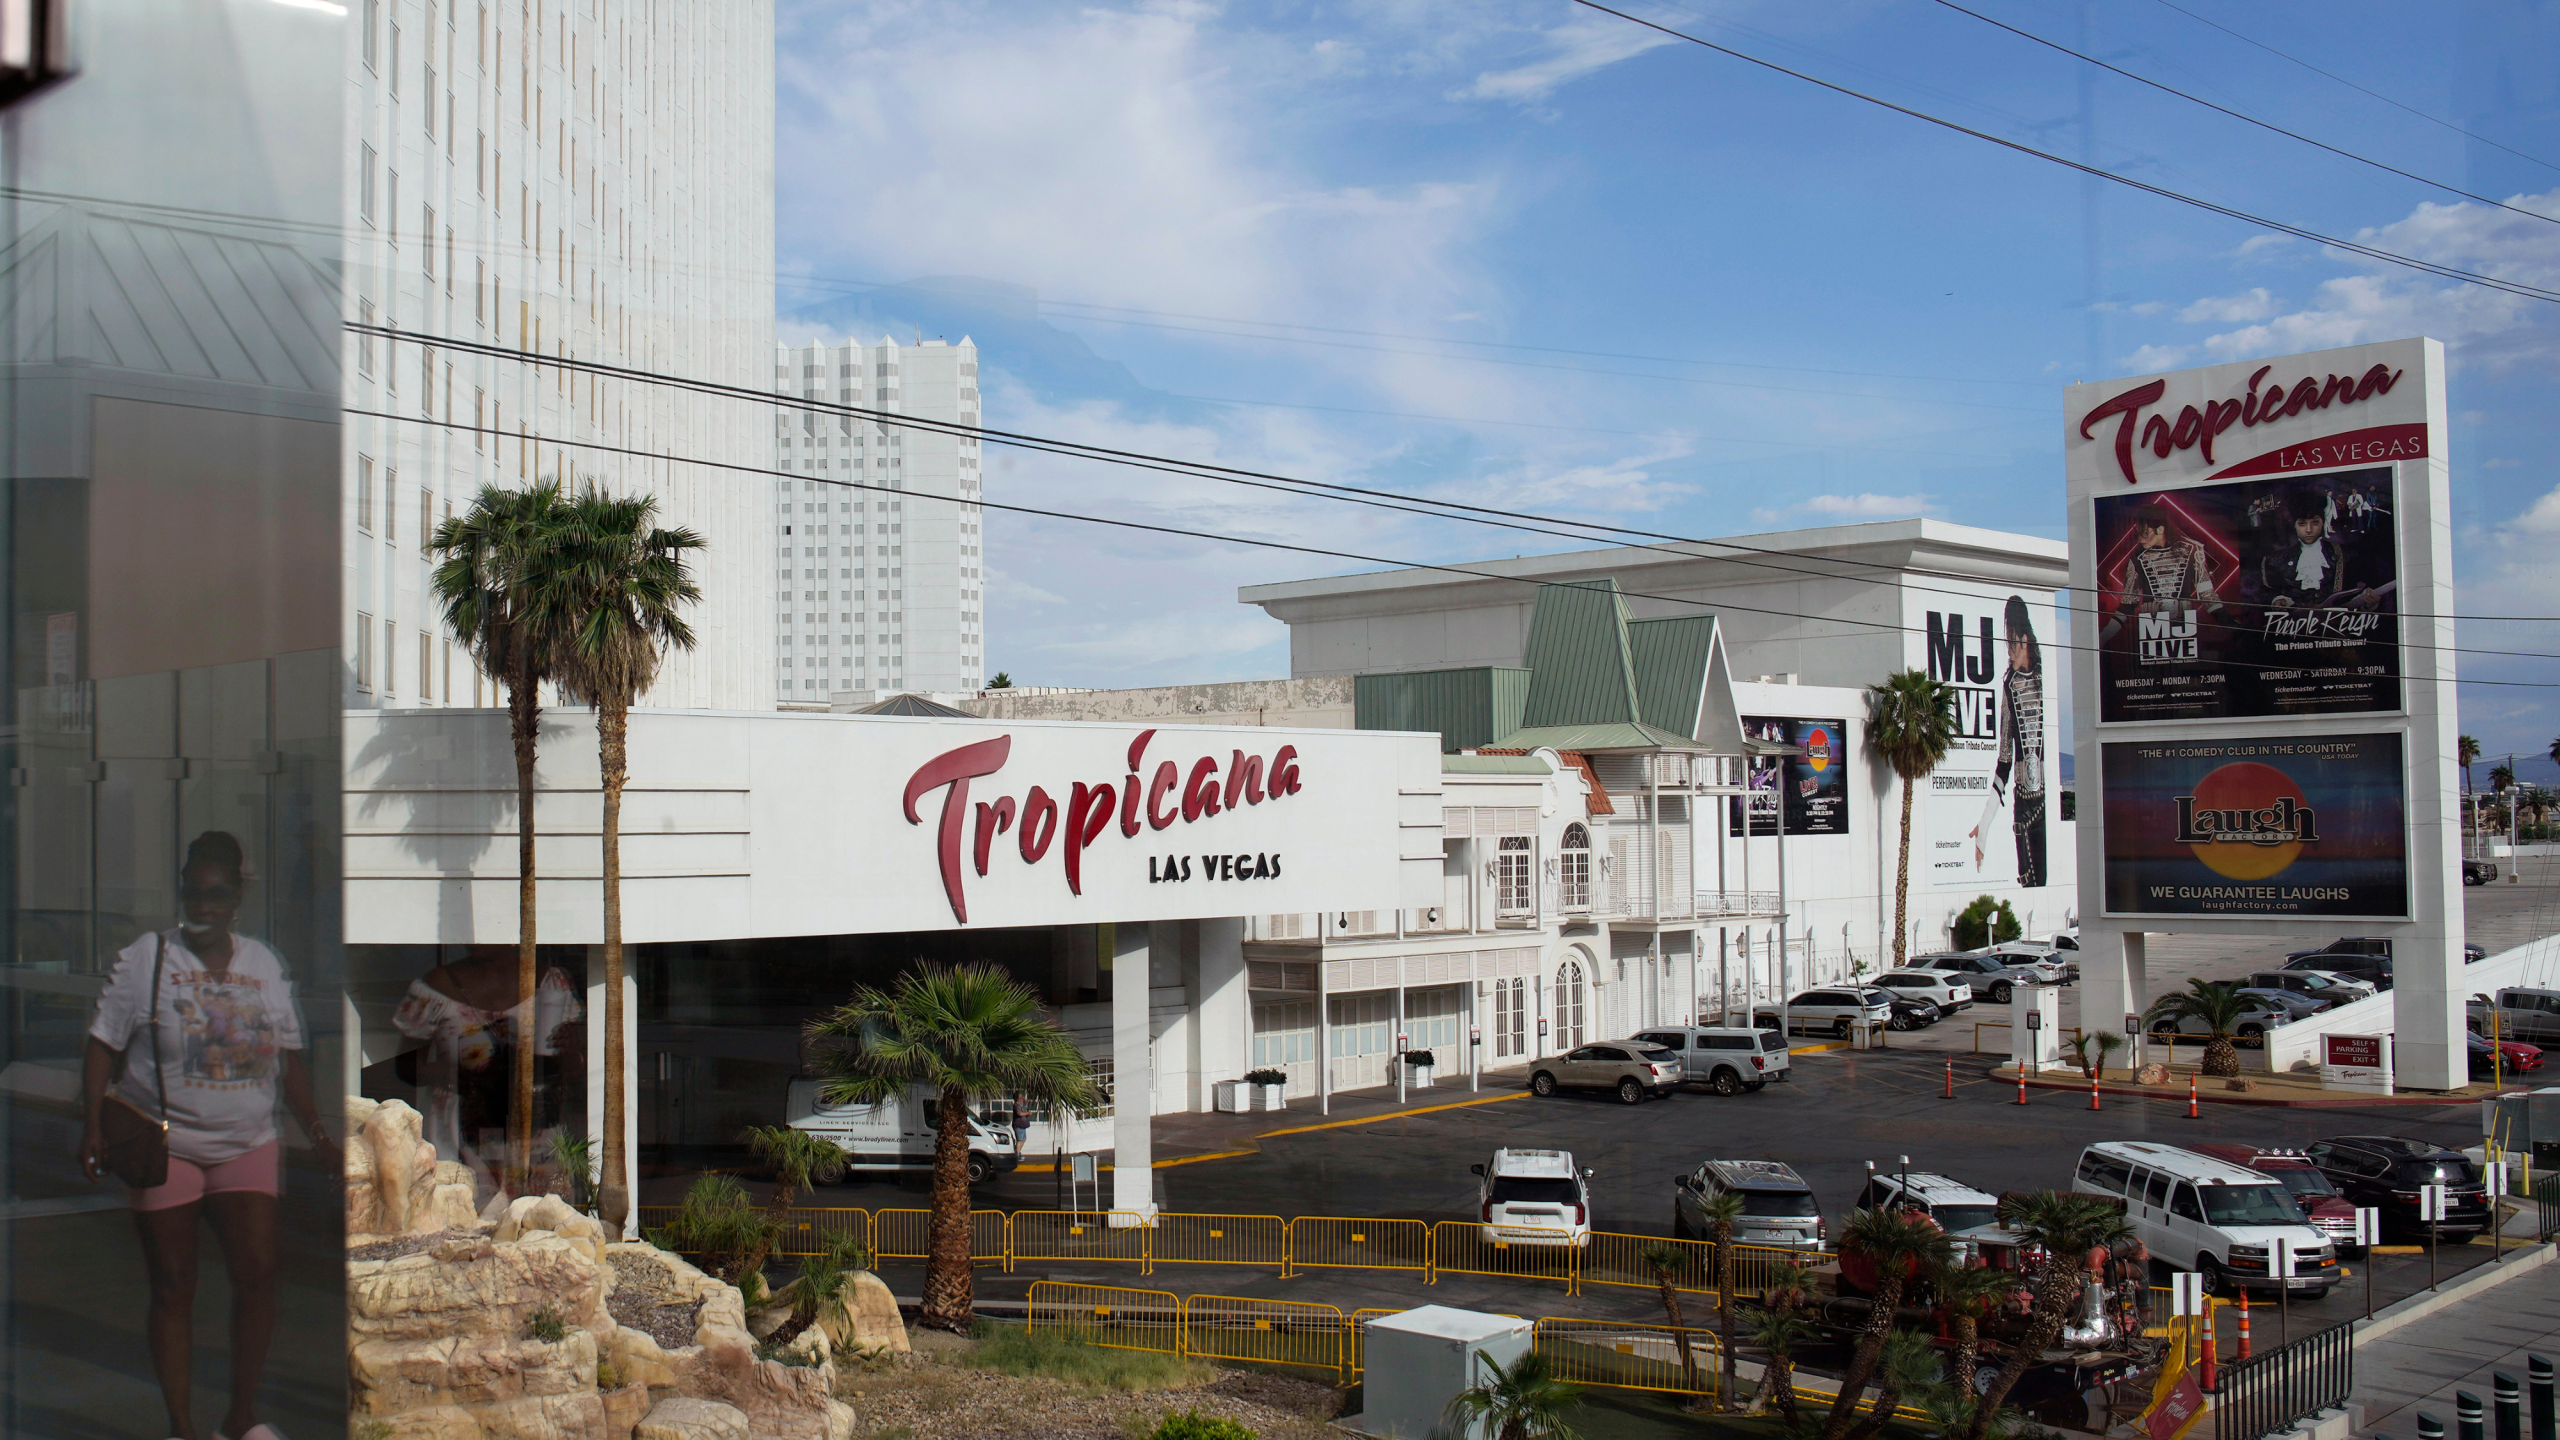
x=2198, y=1213
x=897, y=1134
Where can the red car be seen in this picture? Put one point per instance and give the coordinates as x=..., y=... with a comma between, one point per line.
x=2520, y=1058
x=2329, y=1212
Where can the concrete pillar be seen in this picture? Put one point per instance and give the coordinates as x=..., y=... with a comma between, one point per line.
x=2115, y=978
x=1127, y=948
x=631, y=1057
x=1221, y=1011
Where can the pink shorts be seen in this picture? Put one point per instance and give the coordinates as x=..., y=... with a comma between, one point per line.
x=190, y=1182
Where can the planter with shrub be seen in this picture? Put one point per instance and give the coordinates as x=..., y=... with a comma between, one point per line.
x=1266, y=1089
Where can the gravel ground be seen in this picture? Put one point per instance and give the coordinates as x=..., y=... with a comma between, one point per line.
x=939, y=1396
x=644, y=1298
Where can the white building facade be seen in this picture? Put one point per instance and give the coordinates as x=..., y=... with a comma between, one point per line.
x=879, y=582
x=583, y=183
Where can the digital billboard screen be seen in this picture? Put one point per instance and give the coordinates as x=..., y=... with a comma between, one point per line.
x=2309, y=826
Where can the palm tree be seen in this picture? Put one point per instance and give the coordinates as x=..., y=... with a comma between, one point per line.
x=1899, y=1245
x=2104, y=1042
x=824, y=1285
x=2219, y=1005
x=1666, y=1262
x=492, y=561
x=1910, y=722
x=2066, y=1227
x=1521, y=1401
x=1910, y=1367
x=1723, y=1212
x=2466, y=753
x=1778, y=1333
x=966, y=1033
x=799, y=1160
x=622, y=583
x=1970, y=1294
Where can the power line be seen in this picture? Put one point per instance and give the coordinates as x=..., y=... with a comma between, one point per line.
x=2449, y=272
x=2249, y=119
x=2350, y=84
x=1284, y=484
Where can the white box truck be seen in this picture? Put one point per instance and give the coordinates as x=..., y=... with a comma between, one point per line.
x=897, y=1134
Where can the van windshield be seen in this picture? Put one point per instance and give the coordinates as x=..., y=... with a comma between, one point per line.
x=1532, y=1190
x=1779, y=1202
x=2250, y=1205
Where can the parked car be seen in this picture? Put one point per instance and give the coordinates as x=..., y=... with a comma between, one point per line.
x=1830, y=1009
x=2295, y=1005
x=2520, y=1058
x=1728, y=1059
x=2529, y=1015
x=1954, y=1205
x=1937, y=987
x=1778, y=1208
x=2353, y=955
x=1636, y=1071
x=1991, y=977
x=2329, y=1212
x=2062, y=966
x=2385, y=1171
x=896, y=1134
x=2326, y=985
x=2373, y=970
x=2197, y=1213
x=2479, y=872
x=1912, y=1014
x=1533, y=1197
x=2249, y=1032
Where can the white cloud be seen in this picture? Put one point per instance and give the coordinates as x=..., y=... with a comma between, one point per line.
x=2147, y=307
x=2255, y=304
x=2157, y=357
x=1621, y=484
x=2260, y=244
x=1868, y=506
x=1584, y=44
x=2500, y=463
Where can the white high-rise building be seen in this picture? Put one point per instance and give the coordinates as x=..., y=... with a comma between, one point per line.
x=879, y=562
x=589, y=180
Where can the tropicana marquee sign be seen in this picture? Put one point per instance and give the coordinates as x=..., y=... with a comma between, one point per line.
x=2195, y=427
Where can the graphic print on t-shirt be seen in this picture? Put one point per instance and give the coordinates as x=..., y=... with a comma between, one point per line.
x=230, y=1033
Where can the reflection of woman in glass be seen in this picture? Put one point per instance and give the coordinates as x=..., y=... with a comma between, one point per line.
x=227, y=1029
x=470, y=1013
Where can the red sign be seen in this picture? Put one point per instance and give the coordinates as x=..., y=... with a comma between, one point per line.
x=2194, y=428
x=2362, y=1052
x=2176, y=1411
x=2377, y=444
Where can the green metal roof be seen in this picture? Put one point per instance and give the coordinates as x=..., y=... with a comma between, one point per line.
x=1671, y=656
x=1492, y=765
x=1580, y=669
x=1619, y=735
x=1468, y=707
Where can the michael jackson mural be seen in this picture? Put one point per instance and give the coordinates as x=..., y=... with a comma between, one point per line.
x=2018, y=775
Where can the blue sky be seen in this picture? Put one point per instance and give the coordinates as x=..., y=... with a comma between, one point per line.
x=1521, y=253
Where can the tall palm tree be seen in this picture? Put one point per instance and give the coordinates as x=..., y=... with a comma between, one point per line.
x=491, y=561
x=799, y=1160
x=1910, y=722
x=1970, y=1295
x=1900, y=1245
x=965, y=1033
x=1520, y=1401
x=623, y=583
x=1777, y=1333
x=1910, y=1366
x=1666, y=1262
x=2066, y=1227
x=1723, y=1212
x=2218, y=1004
x=2466, y=753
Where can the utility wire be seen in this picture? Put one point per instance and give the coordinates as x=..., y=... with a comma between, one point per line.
x=2350, y=84
x=2449, y=272
x=1285, y=484
x=1226, y=539
x=2248, y=119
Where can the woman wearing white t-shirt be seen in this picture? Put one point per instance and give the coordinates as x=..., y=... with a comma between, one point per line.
x=226, y=1039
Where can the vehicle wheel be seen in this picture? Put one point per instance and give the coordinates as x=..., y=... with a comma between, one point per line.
x=2000, y=993
x=2215, y=1281
x=1542, y=1084
x=1630, y=1093
x=1725, y=1082
x=2251, y=1037
x=1902, y=1022
x=981, y=1170
x=1840, y=1028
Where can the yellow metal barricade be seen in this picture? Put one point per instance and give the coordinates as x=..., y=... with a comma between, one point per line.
x=1108, y=1315
x=1615, y=1259
x=1334, y=1242
x=653, y=1217
x=1756, y=1267
x=901, y=1235
x=1355, y=1341
x=1265, y=1332
x=807, y=1229
x=1624, y=1355
x=1219, y=1240
x=1513, y=1252
x=1090, y=1236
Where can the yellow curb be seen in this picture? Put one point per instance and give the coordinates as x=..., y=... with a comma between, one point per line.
x=1305, y=1129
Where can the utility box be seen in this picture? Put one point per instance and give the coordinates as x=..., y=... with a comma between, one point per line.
x=1413, y=1364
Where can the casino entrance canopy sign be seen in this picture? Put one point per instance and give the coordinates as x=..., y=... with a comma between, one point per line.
x=2262, y=572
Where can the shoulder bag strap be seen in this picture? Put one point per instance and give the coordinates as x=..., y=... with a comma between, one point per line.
x=159, y=1062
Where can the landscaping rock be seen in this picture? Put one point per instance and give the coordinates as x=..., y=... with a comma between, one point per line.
x=443, y=1422
x=419, y=1297
x=545, y=1417
x=872, y=1323
x=623, y=1411
x=2154, y=1074
x=682, y=1419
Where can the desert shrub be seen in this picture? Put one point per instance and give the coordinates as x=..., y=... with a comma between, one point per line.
x=1014, y=1350
x=1192, y=1425
x=718, y=1226
x=1986, y=922
x=547, y=1326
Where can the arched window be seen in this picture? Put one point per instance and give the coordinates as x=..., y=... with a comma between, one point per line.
x=1576, y=868
x=1568, y=1026
x=1511, y=1017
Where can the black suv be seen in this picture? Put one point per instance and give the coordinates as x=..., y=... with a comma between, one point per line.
x=2385, y=1171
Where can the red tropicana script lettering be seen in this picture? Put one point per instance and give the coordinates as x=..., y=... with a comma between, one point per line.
x=955, y=768
x=2193, y=428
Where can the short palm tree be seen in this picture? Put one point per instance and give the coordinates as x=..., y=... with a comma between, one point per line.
x=963, y=1033
x=1520, y=1401
x=1970, y=1295
x=2218, y=1006
x=1777, y=1333
x=1723, y=1213
x=825, y=1285
x=491, y=561
x=2066, y=1227
x=1900, y=1244
x=1909, y=1367
x=799, y=1160
x=623, y=583
x=1666, y=1262
x=1911, y=723
x=2104, y=1042
x=1789, y=1289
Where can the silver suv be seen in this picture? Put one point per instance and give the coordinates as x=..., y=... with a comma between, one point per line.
x=1728, y=1059
x=1831, y=1009
x=1634, y=1069
x=1993, y=977
x=1778, y=1208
